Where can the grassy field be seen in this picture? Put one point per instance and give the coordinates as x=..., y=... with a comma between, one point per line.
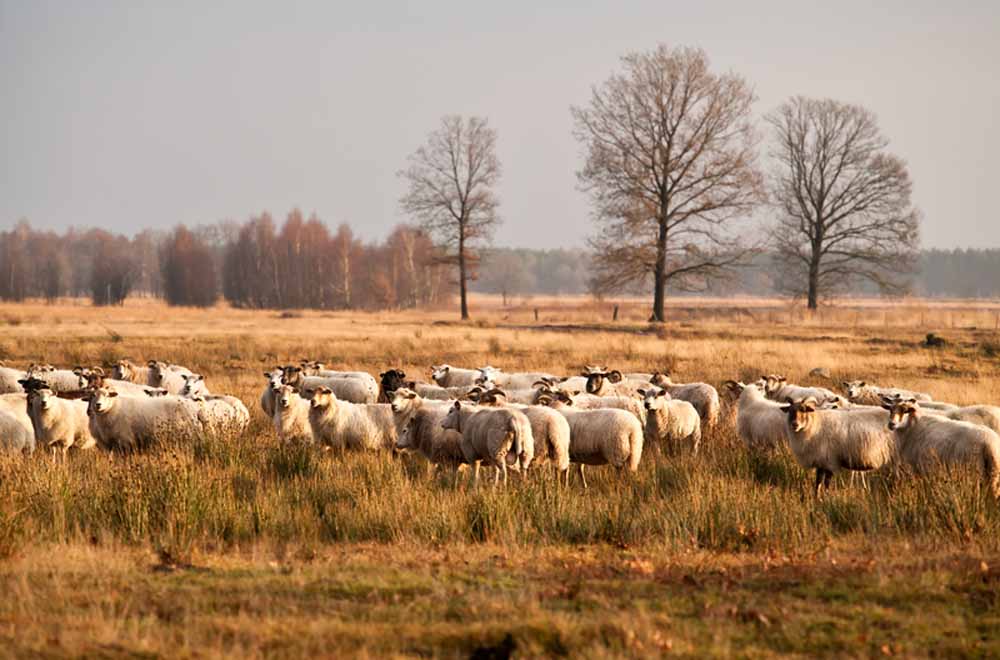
x=244, y=547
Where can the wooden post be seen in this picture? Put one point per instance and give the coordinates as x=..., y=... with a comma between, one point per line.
x=536, y=313
x=614, y=316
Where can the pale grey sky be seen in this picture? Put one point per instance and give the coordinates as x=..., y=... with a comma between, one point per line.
x=133, y=114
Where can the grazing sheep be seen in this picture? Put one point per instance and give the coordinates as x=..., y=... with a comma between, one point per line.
x=489, y=435
x=291, y=416
x=778, y=389
x=16, y=430
x=446, y=375
x=126, y=424
x=600, y=437
x=859, y=391
x=760, y=422
x=549, y=429
x=353, y=426
x=833, y=440
x=928, y=440
x=269, y=394
x=513, y=381
x=221, y=415
x=9, y=378
x=670, y=421
x=353, y=390
x=126, y=370
x=59, y=423
x=702, y=396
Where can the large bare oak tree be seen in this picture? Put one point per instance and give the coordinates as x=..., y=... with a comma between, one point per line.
x=843, y=201
x=671, y=162
x=451, y=179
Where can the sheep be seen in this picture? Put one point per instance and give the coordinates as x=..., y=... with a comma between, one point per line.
x=833, y=440
x=859, y=391
x=59, y=423
x=489, y=435
x=354, y=426
x=514, y=381
x=194, y=385
x=167, y=376
x=600, y=437
x=221, y=415
x=549, y=429
x=353, y=390
x=9, y=378
x=291, y=416
x=424, y=433
x=446, y=375
x=760, y=422
x=584, y=401
x=778, y=389
x=61, y=381
x=670, y=421
x=389, y=381
x=313, y=368
x=926, y=440
x=267, y=397
x=127, y=424
x=981, y=415
x=702, y=396
x=609, y=383
x=16, y=430
x=95, y=378
x=127, y=370
x=525, y=397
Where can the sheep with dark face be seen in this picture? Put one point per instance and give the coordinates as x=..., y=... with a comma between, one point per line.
x=389, y=382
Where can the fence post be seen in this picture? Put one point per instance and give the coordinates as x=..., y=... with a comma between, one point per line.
x=614, y=316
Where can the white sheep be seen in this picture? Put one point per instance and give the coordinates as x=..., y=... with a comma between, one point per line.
x=760, y=422
x=583, y=401
x=446, y=375
x=129, y=371
x=124, y=423
x=221, y=415
x=702, y=396
x=58, y=380
x=600, y=437
x=779, y=389
x=59, y=423
x=833, y=440
x=291, y=416
x=194, y=385
x=489, y=435
x=609, y=383
x=167, y=376
x=352, y=426
x=267, y=397
x=513, y=381
x=928, y=440
x=16, y=430
x=672, y=422
x=94, y=379
x=549, y=429
x=354, y=390
x=9, y=380
x=859, y=391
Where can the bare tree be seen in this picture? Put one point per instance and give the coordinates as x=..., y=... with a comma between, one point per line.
x=844, y=202
x=671, y=161
x=451, y=180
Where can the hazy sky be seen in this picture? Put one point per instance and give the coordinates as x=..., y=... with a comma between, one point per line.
x=133, y=114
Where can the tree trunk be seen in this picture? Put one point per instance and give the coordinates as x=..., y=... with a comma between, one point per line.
x=659, y=273
x=461, y=274
x=813, y=294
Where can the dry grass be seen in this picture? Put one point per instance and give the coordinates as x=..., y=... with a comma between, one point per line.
x=246, y=547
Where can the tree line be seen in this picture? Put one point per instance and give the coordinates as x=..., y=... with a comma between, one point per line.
x=257, y=264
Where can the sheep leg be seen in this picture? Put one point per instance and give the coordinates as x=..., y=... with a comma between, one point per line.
x=475, y=473
x=822, y=480
x=583, y=477
x=696, y=436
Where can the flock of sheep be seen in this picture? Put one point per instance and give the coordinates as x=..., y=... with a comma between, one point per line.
x=506, y=420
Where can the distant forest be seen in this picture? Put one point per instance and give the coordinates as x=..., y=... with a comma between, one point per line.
x=958, y=273
x=303, y=263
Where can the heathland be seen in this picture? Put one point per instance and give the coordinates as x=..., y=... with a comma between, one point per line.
x=246, y=547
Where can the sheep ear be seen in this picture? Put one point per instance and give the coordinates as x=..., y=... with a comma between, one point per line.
x=789, y=400
x=641, y=392
x=410, y=395
x=785, y=407
x=615, y=376
x=862, y=384
x=112, y=393
x=457, y=406
x=661, y=393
